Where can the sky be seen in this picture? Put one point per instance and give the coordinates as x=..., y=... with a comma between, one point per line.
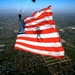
x=29, y=6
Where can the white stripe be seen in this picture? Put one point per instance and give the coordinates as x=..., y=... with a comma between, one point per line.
x=53, y=53
x=46, y=26
x=38, y=21
x=50, y=17
x=37, y=14
x=49, y=44
x=50, y=35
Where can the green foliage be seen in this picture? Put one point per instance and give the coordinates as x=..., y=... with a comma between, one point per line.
x=70, y=52
x=42, y=71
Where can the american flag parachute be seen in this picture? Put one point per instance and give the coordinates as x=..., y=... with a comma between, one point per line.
x=38, y=34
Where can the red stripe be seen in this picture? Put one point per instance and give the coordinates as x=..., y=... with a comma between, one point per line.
x=51, y=22
x=44, y=9
x=58, y=57
x=47, y=8
x=43, y=15
x=45, y=40
x=34, y=13
x=46, y=31
x=54, y=49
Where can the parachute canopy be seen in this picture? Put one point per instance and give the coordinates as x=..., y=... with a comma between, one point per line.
x=33, y=0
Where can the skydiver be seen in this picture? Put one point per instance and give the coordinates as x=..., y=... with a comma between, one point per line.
x=20, y=15
x=38, y=32
x=33, y=0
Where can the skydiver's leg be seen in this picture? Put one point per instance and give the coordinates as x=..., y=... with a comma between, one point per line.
x=39, y=37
